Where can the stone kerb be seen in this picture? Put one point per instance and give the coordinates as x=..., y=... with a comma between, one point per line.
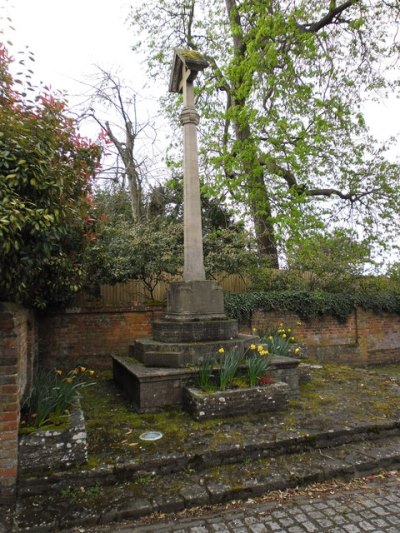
x=234, y=402
x=52, y=449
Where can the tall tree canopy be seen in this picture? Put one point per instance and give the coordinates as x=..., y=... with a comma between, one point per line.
x=282, y=128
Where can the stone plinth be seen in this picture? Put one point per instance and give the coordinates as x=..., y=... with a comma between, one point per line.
x=181, y=354
x=195, y=300
x=194, y=330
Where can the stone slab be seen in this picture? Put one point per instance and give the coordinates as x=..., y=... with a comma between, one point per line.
x=194, y=330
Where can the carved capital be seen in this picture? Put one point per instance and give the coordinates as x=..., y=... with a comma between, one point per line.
x=189, y=115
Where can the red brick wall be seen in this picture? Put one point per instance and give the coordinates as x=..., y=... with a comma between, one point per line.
x=366, y=337
x=88, y=337
x=17, y=354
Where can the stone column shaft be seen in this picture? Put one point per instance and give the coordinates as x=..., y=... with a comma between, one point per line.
x=193, y=239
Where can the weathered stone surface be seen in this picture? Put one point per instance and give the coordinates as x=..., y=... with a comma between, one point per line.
x=195, y=300
x=194, y=495
x=195, y=330
x=49, y=450
x=182, y=354
x=151, y=388
x=233, y=402
x=286, y=369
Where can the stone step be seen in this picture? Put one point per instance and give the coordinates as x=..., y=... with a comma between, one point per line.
x=202, y=457
x=182, y=354
x=93, y=504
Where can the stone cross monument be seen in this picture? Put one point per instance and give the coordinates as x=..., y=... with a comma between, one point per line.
x=186, y=66
x=195, y=324
x=194, y=298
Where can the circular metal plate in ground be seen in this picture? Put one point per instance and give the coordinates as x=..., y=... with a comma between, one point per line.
x=151, y=435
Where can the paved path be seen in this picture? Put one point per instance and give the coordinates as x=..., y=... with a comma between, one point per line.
x=375, y=508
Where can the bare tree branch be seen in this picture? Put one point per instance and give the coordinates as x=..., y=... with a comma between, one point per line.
x=329, y=18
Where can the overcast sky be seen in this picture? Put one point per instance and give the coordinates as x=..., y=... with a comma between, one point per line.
x=69, y=37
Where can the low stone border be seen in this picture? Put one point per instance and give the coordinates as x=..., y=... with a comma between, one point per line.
x=201, y=460
x=186, y=490
x=233, y=402
x=52, y=450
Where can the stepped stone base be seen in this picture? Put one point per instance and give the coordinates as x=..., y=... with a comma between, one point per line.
x=194, y=331
x=151, y=389
x=182, y=354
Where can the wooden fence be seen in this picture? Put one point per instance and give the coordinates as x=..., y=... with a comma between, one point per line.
x=134, y=292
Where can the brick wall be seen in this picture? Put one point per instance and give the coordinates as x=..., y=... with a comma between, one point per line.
x=89, y=336
x=17, y=355
x=83, y=336
x=366, y=338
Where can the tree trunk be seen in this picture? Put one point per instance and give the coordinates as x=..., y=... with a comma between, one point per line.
x=264, y=230
x=256, y=190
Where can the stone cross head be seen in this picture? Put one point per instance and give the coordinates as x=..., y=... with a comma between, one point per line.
x=185, y=67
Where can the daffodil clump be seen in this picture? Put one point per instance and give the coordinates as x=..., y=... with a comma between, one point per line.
x=53, y=393
x=233, y=368
x=281, y=341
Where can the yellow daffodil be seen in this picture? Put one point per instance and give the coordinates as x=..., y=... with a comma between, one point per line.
x=253, y=347
x=58, y=372
x=82, y=368
x=299, y=323
x=264, y=352
x=270, y=337
x=91, y=372
x=292, y=339
x=289, y=330
x=297, y=350
x=281, y=325
x=260, y=347
x=221, y=350
x=68, y=380
x=284, y=335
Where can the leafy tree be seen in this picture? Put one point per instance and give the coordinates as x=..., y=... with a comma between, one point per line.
x=337, y=254
x=152, y=250
x=45, y=195
x=333, y=262
x=149, y=251
x=282, y=130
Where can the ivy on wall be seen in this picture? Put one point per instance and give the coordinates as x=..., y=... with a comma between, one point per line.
x=308, y=305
